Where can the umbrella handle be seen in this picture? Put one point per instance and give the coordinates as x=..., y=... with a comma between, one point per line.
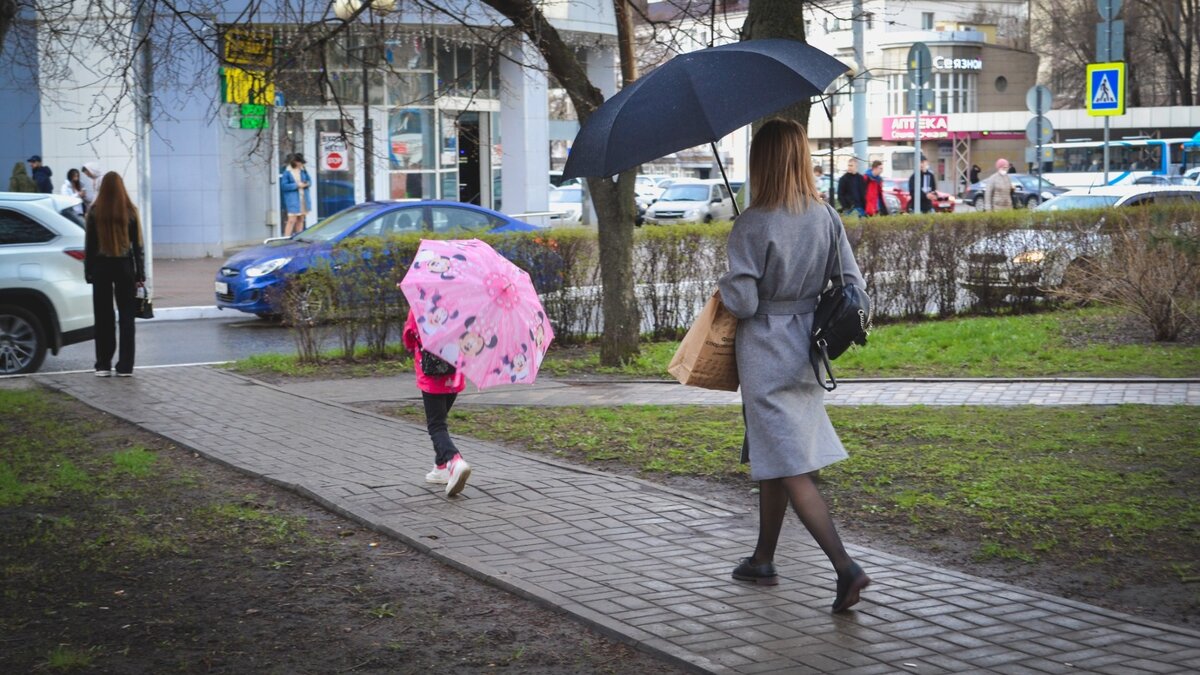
x=736, y=211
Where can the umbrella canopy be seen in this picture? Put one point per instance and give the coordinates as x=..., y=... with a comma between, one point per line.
x=698, y=98
x=477, y=310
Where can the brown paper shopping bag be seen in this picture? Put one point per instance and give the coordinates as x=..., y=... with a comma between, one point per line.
x=706, y=358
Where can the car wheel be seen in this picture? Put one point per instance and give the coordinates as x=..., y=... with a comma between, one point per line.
x=708, y=219
x=1032, y=202
x=310, y=306
x=268, y=316
x=977, y=203
x=22, y=341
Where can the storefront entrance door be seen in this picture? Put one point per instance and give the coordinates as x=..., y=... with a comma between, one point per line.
x=333, y=165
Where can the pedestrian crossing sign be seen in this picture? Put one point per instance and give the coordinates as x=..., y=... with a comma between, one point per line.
x=1106, y=89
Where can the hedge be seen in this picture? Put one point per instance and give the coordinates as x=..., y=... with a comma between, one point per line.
x=913, y=265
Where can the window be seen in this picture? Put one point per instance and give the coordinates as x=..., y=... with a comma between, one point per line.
x=400, y=221
x=447, y=218
x=870, y=20
x=18, y=228
x=926, y=20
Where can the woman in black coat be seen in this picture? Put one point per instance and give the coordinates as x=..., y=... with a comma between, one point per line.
x=114, y=265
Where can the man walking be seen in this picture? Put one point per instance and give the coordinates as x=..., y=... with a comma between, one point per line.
x=41, y=174
x=923, y=192
x=852, y=191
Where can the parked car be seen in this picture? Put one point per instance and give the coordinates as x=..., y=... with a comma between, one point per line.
x=1164, y=180
x=1122, y=195
x=943, y=202
x=1029, y=262
x=45, y=303
x=692, y=201
x=567, y=204
x=250, y=280
x=1025, y=191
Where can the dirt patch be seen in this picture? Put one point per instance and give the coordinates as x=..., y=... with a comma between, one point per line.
x=1118, y=328
x=186, y=566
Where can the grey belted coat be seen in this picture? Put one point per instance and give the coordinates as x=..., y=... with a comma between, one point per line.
x=779, y=262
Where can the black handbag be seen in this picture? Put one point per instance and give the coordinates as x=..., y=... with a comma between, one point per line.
x=842, y=318
x=435, y=366
x=145, y=307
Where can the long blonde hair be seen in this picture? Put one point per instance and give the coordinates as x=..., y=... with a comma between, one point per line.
x=110, y=215
x=781, y=168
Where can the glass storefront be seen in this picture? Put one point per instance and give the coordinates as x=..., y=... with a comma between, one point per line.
x=953, y=92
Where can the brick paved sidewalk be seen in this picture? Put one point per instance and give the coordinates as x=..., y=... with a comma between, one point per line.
x=644, y=563
x=876, y=392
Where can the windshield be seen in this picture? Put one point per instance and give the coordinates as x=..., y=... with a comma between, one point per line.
x=334, y=226
x=685, y=193
x=1078, y=202
x=561, y=196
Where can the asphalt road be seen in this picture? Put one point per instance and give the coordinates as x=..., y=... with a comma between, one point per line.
x=161, y=343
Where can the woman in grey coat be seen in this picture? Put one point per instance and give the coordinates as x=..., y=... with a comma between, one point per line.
x=781, y=255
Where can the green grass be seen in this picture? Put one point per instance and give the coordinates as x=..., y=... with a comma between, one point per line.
x=65, y=658
x=1030, y=345
x=1025, y=481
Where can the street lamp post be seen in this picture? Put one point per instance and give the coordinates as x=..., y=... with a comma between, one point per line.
x=368, y=123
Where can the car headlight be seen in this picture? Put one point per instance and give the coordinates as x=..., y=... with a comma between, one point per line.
x=266, y=267
x=1047, y=195
x=1029, y=257
x=692, y=213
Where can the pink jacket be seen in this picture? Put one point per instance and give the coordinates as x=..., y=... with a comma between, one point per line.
x=447, y=384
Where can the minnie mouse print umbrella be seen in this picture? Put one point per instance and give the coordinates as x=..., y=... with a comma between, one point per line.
x=478, y=311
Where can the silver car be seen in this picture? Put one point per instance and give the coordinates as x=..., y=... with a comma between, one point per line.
x=45, y=304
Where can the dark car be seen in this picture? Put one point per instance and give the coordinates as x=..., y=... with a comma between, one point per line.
x=249, y=281
x=1025, y=191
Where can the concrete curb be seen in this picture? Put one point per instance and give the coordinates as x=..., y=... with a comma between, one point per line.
x=196, y=312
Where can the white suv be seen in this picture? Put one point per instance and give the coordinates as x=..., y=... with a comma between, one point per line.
x=45, y=304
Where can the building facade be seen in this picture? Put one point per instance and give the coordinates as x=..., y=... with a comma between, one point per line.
x=458, y=111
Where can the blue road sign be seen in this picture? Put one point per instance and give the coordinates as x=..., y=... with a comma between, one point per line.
x=1106, y=89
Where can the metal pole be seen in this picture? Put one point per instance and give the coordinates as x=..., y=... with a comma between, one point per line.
x=1037, y=160
x=832, y=170
x=859, y=89
x=1108, y=51
x=142, y=130
x=368, y=126
x=914, y=199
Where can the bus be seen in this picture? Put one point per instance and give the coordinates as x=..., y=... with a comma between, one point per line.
x=1078, y=164
x=897, y=160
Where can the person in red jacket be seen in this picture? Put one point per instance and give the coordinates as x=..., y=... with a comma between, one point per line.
x=876, y=206
x=438, y=393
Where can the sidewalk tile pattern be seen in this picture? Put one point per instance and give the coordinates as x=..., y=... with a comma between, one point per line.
x=851, y=393
x=643, y=563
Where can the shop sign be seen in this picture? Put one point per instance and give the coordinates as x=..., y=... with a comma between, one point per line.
x=901, y=128
x=249, y=47
x=946, y=63
x=333, y=152
x=246, y=86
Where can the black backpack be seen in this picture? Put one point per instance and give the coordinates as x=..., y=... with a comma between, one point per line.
x=842, y=318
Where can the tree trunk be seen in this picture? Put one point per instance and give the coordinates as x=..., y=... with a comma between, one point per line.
x=779, y=19
x=613, y=201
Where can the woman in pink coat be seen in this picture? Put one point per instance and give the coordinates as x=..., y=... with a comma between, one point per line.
x=438, y=391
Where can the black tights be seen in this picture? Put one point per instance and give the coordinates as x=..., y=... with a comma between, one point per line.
x=804, y=496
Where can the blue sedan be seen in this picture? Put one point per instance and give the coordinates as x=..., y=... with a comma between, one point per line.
x=249, y=280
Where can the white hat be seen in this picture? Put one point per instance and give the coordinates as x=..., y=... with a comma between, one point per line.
x=92, y=168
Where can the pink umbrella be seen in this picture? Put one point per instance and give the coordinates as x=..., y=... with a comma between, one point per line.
x=478, y=311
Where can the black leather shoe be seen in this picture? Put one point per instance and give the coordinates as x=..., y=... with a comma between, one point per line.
x=848, y=587
x=763, y=575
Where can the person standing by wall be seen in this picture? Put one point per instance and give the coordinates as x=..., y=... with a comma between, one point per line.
x=20, y=180
x=852, y=190
x=924, y=192
x=115, y=266
x=998, y=189
x=73, y=187
x=294, y=183
x=41, y=174
x=91, y=184
x=782, y=252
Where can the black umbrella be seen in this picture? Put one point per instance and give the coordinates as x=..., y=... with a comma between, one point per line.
x=698, y=98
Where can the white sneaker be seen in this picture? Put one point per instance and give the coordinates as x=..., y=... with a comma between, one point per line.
x=103, y=373
x=459, y=472
x=439, y=476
